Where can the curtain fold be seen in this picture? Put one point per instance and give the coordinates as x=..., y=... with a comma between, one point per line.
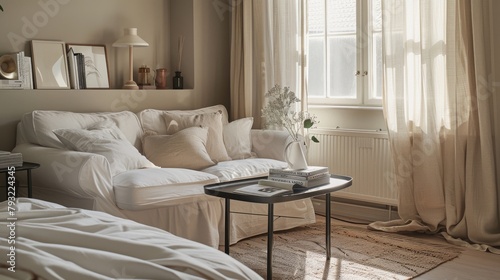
x=266, y=49
x=438, y=104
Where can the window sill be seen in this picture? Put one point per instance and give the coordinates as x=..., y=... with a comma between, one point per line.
x=353, y=107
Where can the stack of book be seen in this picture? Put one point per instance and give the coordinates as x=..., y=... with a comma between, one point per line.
x=8, y=159
x=311, y=177
x=76, y=67
x=16, y=71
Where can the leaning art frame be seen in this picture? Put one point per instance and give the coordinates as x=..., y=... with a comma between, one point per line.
x=50, y=66
x=96, y=64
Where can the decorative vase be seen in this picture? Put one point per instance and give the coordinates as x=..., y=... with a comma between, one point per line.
x=295, y=156
x=161, y=78
x=178, y=81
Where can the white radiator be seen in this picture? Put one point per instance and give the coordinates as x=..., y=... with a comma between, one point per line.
x=363, y=155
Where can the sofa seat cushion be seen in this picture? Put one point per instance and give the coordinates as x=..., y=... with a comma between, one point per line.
x=156, y=187
x=243, y=168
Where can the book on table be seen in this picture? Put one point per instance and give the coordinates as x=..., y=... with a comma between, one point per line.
x=274, y=186
x=297, y=177
x=8, y=159
x=309, y=171
x=302, y=183
x=311, y=177
x=261, y=190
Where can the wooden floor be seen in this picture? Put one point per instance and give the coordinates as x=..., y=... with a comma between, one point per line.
x=470, y=265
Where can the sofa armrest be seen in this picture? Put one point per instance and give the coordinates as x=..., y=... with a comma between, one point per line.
x=74, y=173
x=269, y=143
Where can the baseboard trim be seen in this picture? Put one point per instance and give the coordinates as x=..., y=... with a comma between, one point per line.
x=356, y=211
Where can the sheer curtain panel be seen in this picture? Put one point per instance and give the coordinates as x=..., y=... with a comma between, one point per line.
x=267, y=48
x=438, y=103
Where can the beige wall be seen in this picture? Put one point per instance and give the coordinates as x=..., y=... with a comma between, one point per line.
x=159, y=22
x=90, y=22
x=350, y=118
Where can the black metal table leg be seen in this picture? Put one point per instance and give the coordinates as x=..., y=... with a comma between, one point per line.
x=6, y=186
x=270, y=230
x=328, y=227
x=226, y=226
x=29, y=183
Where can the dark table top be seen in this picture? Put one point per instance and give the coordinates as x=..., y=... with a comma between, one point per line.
x=226, y=190
x=26, y=166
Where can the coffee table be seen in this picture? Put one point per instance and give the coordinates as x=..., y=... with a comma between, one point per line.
x=27, y=166
x=226, y=190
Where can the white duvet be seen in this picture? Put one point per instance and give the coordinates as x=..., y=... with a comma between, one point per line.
x=54, y=242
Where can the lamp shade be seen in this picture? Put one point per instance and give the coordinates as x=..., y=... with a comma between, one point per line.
x=130, y=39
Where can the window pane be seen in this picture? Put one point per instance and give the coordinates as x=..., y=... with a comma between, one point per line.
x=341, y=16
x=316, y=16
x=377, y=66
x=316, y=70
x=376, y=15
x=342, y=53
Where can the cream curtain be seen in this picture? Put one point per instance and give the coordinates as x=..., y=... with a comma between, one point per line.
x=438, y=103
x=267, y=48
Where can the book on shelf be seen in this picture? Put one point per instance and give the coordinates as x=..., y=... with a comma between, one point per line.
x=73, y=69
x=82, y=78
x=27, y=73
x=309, y=171
x=8, y=159
x=11, y=84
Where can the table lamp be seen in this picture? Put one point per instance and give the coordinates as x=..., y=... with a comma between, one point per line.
x=130, y=40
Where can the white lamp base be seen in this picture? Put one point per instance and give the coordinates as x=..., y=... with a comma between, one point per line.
x=130, y=85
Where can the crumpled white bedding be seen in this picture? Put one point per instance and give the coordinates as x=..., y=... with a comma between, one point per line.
x=54, y=242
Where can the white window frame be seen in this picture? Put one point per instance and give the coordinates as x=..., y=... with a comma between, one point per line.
x=365, y=79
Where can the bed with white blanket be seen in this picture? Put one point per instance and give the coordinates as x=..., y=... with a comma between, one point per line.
x=48, y=241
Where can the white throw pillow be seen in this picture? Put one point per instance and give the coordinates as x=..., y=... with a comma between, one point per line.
x=215, y=141
x=237, y=138
x=107, y=140
x=184, y=149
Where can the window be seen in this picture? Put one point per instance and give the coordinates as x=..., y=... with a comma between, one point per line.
x=345, y=52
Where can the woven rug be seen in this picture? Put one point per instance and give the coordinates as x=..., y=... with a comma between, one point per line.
x=357, y=253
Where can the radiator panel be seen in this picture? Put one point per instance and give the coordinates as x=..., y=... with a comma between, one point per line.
x=365, y=156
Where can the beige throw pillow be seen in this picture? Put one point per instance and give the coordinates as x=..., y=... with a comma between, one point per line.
x=107, y=140
x=237, y=138
x=184, y=149
x=215, y=143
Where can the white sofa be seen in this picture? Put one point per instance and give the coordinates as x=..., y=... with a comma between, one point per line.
x=125, y=184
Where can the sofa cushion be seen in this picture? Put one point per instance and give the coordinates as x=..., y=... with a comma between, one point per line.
x=157, y=187
x=244, y=168
x=108, y=141
x=38, y=125
x=215, y=141
x=237, y=138
x=152, y=120
x=184, y=149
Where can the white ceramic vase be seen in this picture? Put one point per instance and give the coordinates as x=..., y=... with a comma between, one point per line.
x=295, y=155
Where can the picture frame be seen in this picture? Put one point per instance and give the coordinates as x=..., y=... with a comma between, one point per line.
x=50, y=66
x=96, y=64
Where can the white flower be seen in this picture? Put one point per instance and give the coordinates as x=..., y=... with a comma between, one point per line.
x=280, y=113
